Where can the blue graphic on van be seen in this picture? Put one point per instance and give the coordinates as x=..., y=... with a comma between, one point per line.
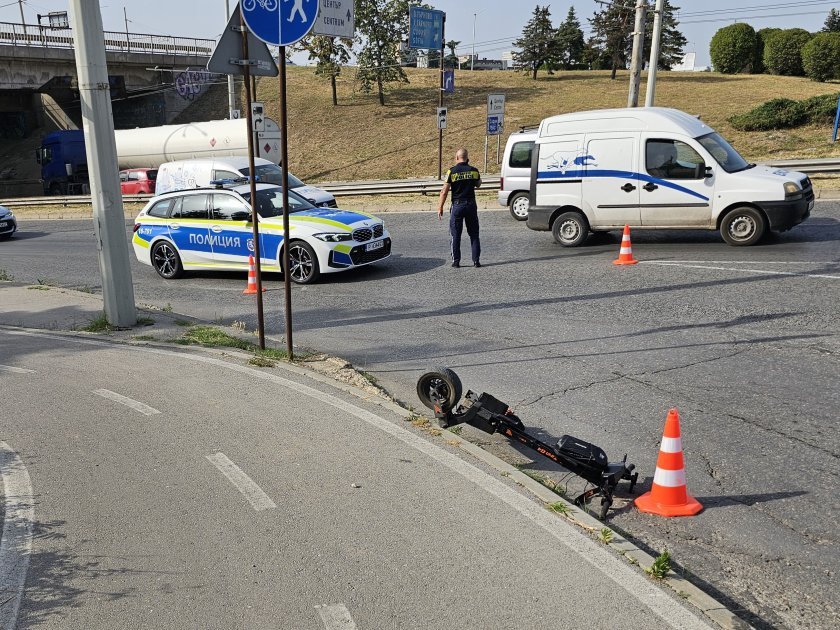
x=562, y=160
x=548, y=176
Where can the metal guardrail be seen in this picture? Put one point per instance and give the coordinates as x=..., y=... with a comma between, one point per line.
x=823, y=165
x=50, y=37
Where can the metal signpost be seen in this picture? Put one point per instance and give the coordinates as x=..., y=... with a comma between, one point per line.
x=335, y=19
x=282, y=23
x=495, y=123
x=426, y=29
x=239, y=52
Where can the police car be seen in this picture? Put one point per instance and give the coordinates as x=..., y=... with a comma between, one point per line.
x=210, y=228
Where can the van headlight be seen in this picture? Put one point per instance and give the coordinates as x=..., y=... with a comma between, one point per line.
x=334, y=237
x=791, y=188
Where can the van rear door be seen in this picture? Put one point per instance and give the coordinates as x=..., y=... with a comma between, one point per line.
x=610, y=182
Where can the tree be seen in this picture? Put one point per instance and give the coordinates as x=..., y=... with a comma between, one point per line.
x=451, y=60
x=611, y=28
x=733, y=49
x=821, y=57
x=330, y=54
x=538, y=44
x=570, y=42
x=832, y=22
x=783, y=52
x=672, y=42
x=381, y=26
x=763, y=36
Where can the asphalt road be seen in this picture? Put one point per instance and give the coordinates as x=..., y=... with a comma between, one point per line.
x=743, y=341
x=173, y=489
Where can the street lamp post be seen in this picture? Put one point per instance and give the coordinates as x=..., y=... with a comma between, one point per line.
x=472, y=56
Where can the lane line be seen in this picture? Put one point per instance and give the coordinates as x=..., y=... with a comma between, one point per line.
x=746, y=262
x=336, y=617
x=15, y=370
x=756, y=271
x=16, y=542
x=128, y=402
x=258, y=499
x=626, y=578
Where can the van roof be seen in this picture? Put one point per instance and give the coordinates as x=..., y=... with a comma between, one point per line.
x=625, y=119
x=236, y=161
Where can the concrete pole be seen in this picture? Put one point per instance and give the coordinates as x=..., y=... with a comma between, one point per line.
x=103, y=169
x=636, y=59
x=655, y=42
x=472, y=57
x=231, y=88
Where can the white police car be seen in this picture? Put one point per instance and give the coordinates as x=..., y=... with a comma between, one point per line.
x=210, y=228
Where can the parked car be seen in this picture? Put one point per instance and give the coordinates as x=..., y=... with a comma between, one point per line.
x=138, y=181
x=657, y=168
x=201, y=172
x=515, y=184
x=8, y=223
x=210, y=228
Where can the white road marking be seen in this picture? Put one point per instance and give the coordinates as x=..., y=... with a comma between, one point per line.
x=756, y=271
x=128, y=402
x=258, y=499
x=633, y=584
x=16, y=541
x=15, y=370
x=747, y=262
x=336, y=617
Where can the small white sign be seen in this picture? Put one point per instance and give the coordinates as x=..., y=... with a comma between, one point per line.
x=441, y=117
x=495, y=104
x=235, y=114
x=258, y=116
x=335, y=19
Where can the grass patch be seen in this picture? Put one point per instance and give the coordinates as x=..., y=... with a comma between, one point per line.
x=38, y=287
x=5, y=276
x=145, y=321
x=85, y=289
x=98, y=325
x=542, y=479
x=183, y=323
x=559, y=507
x=144, y=337
x=261, y=361
x=456, y=429
x=606, y=535
x=660, y=567
x=46, y=282
x=370, y=378
x=212, y=337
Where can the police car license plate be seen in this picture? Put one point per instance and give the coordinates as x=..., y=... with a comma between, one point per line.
x=375, y=245
x=810, y=205
x=3, y=224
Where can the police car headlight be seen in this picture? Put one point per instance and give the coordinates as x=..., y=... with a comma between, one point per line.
x=334, y=237
x=791, y=188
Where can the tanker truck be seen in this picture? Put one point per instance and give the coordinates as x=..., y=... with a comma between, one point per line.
x=63, y=161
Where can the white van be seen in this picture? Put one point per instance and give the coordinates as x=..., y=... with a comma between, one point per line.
x=198, y=173
x=655, y=168
x=515, y=182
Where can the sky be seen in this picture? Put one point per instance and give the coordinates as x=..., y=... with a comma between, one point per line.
x=497, y=22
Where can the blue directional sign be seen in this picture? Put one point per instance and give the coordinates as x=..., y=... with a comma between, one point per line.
x=494, y=125
x=280, y=22
x=425, y=28
x=449, y=82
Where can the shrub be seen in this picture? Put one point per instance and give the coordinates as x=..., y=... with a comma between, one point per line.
x=821, y=57
x=762, y=36
x=733, y=49
x=783, y=52
x=780, y=113
x=821, y=109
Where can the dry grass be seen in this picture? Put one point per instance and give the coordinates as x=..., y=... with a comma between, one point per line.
x=358, y=139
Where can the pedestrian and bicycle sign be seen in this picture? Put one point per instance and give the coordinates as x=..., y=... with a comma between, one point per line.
x=494, y=125
x=425, y=28
x=280, y=22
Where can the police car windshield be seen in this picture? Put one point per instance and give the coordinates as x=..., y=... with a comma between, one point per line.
x=271, y=174
x=722, y=151
x=270, y=202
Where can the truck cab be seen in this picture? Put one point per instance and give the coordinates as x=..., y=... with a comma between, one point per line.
x=63, y=163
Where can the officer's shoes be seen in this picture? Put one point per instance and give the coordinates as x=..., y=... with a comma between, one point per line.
x=456, y=264
x=476, y=264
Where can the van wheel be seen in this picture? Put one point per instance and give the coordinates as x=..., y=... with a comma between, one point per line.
x=743, y=226
x=570, y=229
x=519, y=206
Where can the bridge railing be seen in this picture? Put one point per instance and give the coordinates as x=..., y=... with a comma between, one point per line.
x=31, y=35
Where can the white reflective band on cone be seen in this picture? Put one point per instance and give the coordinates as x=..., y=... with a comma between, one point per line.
x=669, y=478
x=671, y=445
x=625, y=250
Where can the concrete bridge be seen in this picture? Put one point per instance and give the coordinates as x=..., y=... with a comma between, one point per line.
x=153, y=78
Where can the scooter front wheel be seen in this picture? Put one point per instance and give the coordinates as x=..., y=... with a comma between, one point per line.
x=439, y=387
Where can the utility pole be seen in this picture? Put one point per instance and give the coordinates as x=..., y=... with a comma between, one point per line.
x=440, y=93
x=655, y=42
x=101, y=150
x=472, y=56
x=636, y=60
x=127, y=42
x=231, y=90
x=22, y=19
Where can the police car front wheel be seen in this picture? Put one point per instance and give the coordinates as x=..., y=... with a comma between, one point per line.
x=166, y=261
x=303, y=263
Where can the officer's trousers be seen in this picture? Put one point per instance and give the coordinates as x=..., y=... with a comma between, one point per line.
x=461, y=213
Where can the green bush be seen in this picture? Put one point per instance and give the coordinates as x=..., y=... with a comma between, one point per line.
x=762, y=36
x=780, y=113
x=821, y=109
x=783, y=52
x=821, y=57
x=733, y=49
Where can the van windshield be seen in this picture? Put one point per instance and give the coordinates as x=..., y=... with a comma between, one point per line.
x=729, y=159
x=270, y=202
x=271, y=174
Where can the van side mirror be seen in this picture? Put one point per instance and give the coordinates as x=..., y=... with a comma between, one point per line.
x=708, y=172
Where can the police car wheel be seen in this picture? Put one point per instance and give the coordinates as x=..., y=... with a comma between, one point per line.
x=519, y=206
x=303, y=263
x=570, y=229
x=166, y=261
x=743, y=226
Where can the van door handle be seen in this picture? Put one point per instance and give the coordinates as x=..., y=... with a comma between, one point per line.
x=628, y=187
x=650, y=187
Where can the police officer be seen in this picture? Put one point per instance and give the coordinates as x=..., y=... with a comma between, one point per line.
x=462, y=179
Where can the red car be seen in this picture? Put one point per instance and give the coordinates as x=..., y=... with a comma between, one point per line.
x=138, y=181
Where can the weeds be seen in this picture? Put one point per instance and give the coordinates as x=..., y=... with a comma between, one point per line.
x=261, y=361
x=167, y=308
x=85, y=289
x=5, y=276
x=370, y=378
x=559, y=507
x=144, y=337
x=606, y=535
x=38, y=287
x=456, y=430
x=660, y=567
x=98, y=325
x=183, y=323
x=212, y=337
x=145, y=321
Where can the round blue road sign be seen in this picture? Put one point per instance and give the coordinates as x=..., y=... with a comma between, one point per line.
x=280, y=22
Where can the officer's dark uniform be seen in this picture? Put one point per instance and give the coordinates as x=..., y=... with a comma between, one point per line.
x=463, y=179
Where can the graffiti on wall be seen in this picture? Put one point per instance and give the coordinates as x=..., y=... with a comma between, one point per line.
x=189, y=83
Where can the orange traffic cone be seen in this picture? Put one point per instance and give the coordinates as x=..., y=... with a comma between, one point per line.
x=669, y=495
x=251, y=289
x=625, y=255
